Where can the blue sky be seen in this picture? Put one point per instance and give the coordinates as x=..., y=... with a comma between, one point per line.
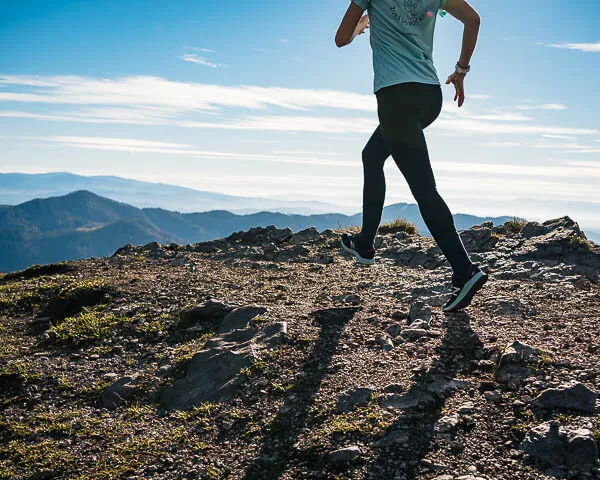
x=253, y=98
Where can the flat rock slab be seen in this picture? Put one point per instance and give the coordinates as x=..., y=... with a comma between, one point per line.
x=240, y=318
x=570, y=396
x=354, y=398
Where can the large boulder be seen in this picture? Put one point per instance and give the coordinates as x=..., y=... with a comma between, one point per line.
x=556, y=446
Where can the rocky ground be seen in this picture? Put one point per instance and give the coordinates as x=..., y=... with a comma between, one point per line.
x=272, y=354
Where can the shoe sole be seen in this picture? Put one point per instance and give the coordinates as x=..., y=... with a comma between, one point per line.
x=466, y=296
x=364, y=261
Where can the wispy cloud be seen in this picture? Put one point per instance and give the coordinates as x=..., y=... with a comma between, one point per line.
x=193, y=58
x=582, y=47
x=134, y=145
x=203, y=50
x=545, y=106
x=560, y=137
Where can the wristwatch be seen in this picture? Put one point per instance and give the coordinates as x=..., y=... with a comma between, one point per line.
x=461, y=70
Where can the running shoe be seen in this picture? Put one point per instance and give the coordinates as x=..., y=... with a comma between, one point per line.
x=463, y=291
x=350, y=244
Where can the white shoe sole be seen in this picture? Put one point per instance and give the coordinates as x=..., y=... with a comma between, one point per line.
x=359, y=259
x=470, y=288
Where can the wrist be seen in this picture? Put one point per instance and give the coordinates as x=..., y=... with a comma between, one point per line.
x=461, y=69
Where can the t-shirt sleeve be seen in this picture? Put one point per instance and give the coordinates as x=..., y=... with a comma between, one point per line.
x=364, y=4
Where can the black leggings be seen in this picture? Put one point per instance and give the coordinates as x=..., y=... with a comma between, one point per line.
x=404, y=110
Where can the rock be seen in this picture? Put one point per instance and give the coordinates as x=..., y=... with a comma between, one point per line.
x=117, y=393
x=275, y=333
x=40, y=325
x=569, y=396
x=502, y=306
x=352, y=299
x=212, y=376
x=240, y=318
x=393, y=438
x=447, y=423
x=493, y=397
x=419, y=325
x=441, y=385
x=394, y=388
x=411, y=334
x=518, y=353
x=444, y=477
x=479, y=239
x=356, y=397
x=214, y=373
x=388, y=345
x=408, y=400
x=419, y=310
x=394, y=329
x=556, y=446
x=344, y=455
x=305, y=236
x=466, y=408
x=212, y=310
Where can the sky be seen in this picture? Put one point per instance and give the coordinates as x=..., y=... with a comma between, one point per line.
x=255, y=99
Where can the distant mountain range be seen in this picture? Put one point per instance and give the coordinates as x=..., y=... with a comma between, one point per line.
x=82, y=224
x=16, y=188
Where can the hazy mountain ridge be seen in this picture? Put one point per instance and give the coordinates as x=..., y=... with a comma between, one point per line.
x=75, y=226
x=17, y=188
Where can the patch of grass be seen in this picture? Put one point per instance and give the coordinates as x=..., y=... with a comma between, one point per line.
x=367, y=420
x=184, y=353
x=13, y=293
x=215, y=473
x=565, y=419
x=515, y=225
x=398, y=225
x=42, y=455
x=82, y=287
x=87, y=327
x=580, y=241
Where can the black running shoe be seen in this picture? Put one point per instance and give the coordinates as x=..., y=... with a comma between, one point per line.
x=463, y=291
x=350, y=244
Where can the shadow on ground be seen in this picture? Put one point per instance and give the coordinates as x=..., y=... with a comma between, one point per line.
x=459, y=346
x=285, y=429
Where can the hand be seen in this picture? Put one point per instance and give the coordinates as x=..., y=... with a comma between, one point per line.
x=363, y=24
x=458, y=79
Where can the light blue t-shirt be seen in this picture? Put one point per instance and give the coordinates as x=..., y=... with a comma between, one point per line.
x=402, y=40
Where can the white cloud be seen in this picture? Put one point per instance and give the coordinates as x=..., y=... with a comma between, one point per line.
x=155, y=92
x=546, y=106
x=562, y=137
x=192, y=58
x=203, y=50
x=582, y=47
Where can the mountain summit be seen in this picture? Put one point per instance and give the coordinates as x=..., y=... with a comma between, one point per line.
x=272, y=354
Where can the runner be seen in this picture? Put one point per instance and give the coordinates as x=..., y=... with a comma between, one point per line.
x=409, y=99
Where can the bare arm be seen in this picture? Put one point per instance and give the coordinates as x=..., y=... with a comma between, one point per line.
x=353, y=24
x=461, y=10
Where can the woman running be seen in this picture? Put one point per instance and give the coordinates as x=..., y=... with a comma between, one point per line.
x=409, y=99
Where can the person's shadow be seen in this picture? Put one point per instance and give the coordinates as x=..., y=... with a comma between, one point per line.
x=285, y=429
x=459, y=347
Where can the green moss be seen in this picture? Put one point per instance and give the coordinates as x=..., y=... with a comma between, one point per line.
x=83, y=286
x=87, y=327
